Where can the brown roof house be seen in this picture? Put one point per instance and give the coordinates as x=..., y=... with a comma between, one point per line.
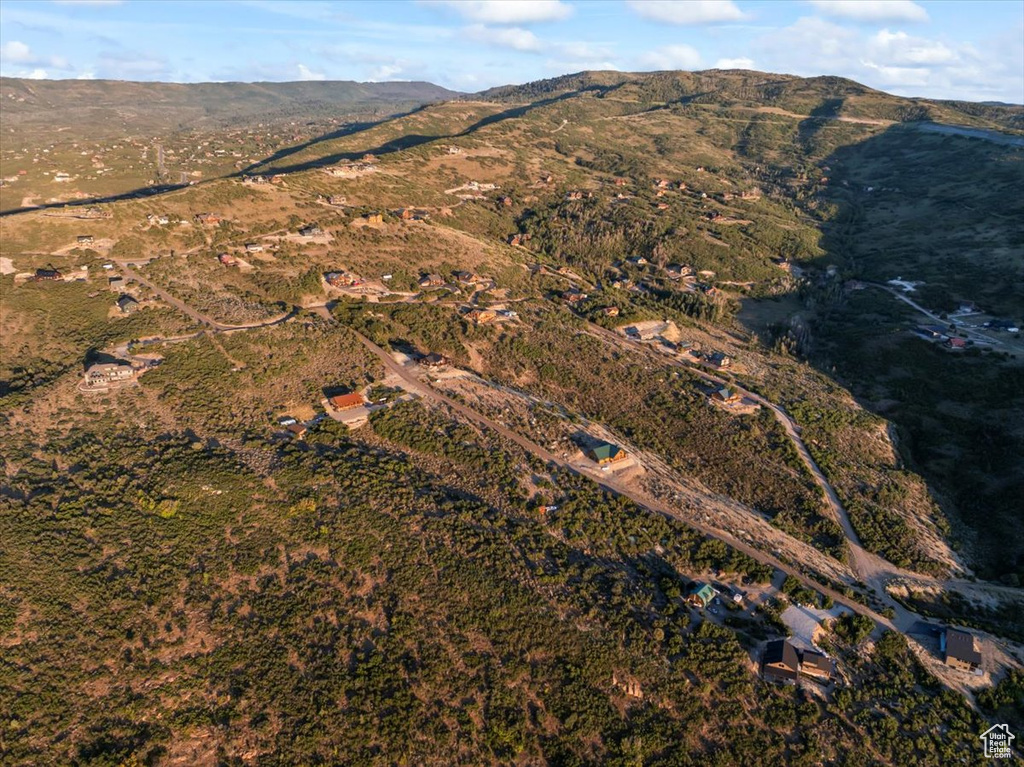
x=466, y=278
x=780, y=662
x=431, y=281
x=347, y=401
x=959, y=650
x=482, y=316
x=434, y=360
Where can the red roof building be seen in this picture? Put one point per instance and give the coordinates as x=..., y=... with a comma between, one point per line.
x=347, y=401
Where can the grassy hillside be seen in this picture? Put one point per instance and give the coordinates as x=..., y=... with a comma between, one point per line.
x=183, y=580
x=115, y=106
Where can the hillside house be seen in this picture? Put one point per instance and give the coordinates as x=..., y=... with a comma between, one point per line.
x=341, y=279
x=637, y=261
x=48, y=274
x=337, y=200
x=466, y=278
x=482, y=316
x=574, y=296
x=621, y=182
x=297, y=429
x=935, y=332
x=431, y=281
x=253, y=247
x=610, y=311
x=105, y=373
x=227, y=259
x=373, y=219
x=207, y=219
x=505, y=201
x=348, y=401
x=780, y=662
x=311, y=231
x=701, y=595
x=957, y=343
x=725, y=394
x=959, y=650
x=816, y=665
x=116, y=282
x=606, y=453
x=434, y=360
x=720, y=360
x=127, y=304
x=678, y=271
x=85, y=239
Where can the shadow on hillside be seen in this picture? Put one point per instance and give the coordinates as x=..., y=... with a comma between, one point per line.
x=821, y=116
x=134, y=194
x=410, y=141
x=268, y=165
x=346, y=130
x=953, y=411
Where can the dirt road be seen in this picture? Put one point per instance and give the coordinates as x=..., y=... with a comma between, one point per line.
x=980, y=338
x=427, y=392
x=202, y=319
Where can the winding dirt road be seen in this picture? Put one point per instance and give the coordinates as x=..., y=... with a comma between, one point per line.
x=202, y=319
x=415, y=384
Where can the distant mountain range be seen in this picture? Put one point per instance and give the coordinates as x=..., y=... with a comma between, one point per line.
x=118, y=106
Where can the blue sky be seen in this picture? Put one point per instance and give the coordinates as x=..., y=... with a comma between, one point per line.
x=971, y=50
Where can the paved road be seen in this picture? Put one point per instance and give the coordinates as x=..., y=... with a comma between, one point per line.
x=980, y=338
x=425, y=390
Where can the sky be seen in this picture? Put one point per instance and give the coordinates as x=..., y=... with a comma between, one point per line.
x=964, y=50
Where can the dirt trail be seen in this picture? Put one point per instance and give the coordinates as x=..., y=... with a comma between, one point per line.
x=413, y=383
x=202, y=319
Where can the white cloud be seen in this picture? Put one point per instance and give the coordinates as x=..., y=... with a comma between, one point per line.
x=305, y=73
x=897, y=62
x=516, y=38
x=872, y=10
x=15, y=52
x=740, y=63
x=901, y=48
x=36, y=74
x=385, y=72
x=508, y=11
x=899, y=76
x=670, y=57
x=87, y=2
x=687, y=11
